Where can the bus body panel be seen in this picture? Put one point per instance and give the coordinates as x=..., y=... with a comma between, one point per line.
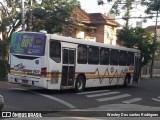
x=24, y=69
x=54, y=68
x=60, y=74
x=25, y=62
x=101, y=75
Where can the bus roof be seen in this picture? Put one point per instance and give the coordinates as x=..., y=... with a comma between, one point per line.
x=86, y=42
x=83, y=41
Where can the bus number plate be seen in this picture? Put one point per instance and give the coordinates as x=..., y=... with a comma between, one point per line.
x=24, y=81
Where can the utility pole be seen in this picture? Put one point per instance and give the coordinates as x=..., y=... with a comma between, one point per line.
x=154, y=44
x=22, y=15
x=30, y=16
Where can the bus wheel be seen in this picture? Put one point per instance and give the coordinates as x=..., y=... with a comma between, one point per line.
x=126, y=82
x=80, y=84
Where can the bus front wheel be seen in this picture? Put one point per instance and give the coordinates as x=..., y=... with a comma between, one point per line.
x=80, y=84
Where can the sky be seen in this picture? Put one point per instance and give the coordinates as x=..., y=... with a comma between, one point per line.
x=91, y=6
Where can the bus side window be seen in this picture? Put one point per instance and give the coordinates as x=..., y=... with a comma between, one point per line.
x=122, y=58
x=93, y=55
x=82, y=54
x=114, y=57
x=104, y=56
x=130, y=59
x=55, y=51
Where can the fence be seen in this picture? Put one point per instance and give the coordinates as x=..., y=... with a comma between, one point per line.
x=156, y=68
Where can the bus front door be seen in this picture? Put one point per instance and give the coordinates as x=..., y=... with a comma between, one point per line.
x=136, y=75
x=68, y=68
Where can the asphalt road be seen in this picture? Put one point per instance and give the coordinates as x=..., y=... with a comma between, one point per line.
x=144, y=96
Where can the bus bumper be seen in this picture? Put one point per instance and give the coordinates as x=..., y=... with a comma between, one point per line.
x=27, y=80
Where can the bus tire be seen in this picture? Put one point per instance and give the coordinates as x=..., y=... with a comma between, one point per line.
x=80, y=84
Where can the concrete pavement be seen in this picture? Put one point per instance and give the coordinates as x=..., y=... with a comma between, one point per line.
x=1, y=102
x=105, y=109
x=148, y=76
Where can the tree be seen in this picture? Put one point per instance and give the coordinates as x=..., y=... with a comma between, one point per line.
x=9, y=22
x=101, y=2
x=120, y=5
x=47, y=14
x=50, y=15
x=123, y=8
x=10, y=19
x=153, y=7
x=138, y=38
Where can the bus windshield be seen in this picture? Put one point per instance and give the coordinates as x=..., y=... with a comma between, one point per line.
x=28, y=43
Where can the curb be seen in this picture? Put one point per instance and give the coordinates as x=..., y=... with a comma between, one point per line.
x=1, y=102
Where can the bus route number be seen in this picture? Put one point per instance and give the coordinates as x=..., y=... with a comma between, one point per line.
x=26, y=42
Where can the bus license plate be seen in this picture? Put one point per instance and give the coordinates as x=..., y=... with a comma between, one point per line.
x=25, y=81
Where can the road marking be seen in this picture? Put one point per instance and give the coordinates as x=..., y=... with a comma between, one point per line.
x=102, y=94
x=113, y=98
x=58, y=100
x=155, y=99
x=17, y=89
x=94, y=92
x=159, y=97
x=50, y=97
x=132, y=100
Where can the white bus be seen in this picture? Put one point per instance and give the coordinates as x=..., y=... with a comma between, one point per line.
x=56, y=62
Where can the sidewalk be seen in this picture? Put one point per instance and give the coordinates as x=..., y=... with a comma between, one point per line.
x=148, y=76
x=6, y=84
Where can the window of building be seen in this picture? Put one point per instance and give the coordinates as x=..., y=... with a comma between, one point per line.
x=55, y=51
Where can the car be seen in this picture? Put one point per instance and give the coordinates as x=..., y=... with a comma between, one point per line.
x=1, y=102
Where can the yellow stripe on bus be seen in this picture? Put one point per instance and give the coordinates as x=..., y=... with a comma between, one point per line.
x=88, y=76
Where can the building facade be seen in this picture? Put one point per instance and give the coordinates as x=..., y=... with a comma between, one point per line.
x=95, y=27
x=152, y=30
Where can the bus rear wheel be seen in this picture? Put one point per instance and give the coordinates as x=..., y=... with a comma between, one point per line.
x=80, y=84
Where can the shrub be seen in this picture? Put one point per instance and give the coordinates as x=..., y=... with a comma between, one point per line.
x=3, y=70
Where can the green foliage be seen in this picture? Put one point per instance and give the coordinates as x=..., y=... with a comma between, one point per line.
x=2, y=49
x=152, y=5
x=10, y=20
x=123, y=5
x=50, y=15
x=47, y=14
x=157, y=53
x=138, y=38
x=3, y=70
x=3, y=62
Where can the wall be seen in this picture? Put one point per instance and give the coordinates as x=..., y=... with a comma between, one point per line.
x=110, y=35
x=100, y=33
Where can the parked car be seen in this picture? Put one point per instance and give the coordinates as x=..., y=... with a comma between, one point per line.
x=1, y=102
